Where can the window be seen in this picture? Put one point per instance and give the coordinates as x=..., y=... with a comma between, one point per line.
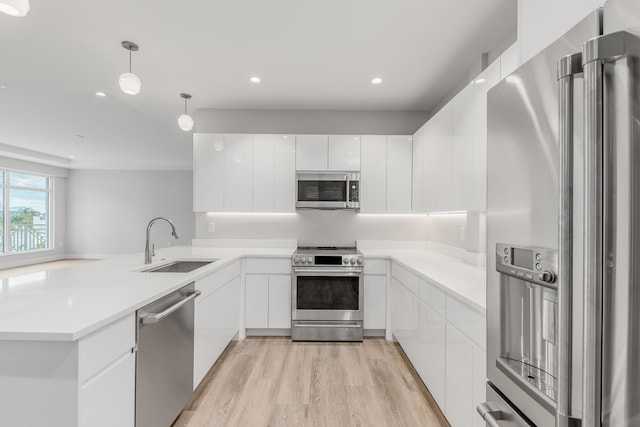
x=24, y=212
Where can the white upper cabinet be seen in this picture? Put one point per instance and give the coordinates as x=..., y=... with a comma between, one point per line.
x=373, y=174
x=238, y=168
x=284, y=147
x=243, y=173
x=476, y=198
x=344, y=152
x=386, y=174
x=462, y=149
x=312, y=152
x=208, y=172
x=438, y=161
x=327, y=152
x=418, y=203
x=263, y=173
x=399, y=163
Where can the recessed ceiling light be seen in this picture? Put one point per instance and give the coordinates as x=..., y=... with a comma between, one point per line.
x=255, y=79
x=285, y=136
x=376, y=81
x=71, y=157
x=15, y=7
x=102, y=94
x=3, y=87
x=480, y=81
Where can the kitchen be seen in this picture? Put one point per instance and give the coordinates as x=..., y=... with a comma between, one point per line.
x=230, y=186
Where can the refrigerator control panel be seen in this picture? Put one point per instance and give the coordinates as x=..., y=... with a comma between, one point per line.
x=529, y=263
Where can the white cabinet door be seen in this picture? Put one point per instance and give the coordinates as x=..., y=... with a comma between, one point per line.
x=373, y=174
x=399, y=163
x=375, y=302
x=109, y=398
x=263, y=173
x=216, y=323
x=279, y=302
x=238, y=195
x=438, y=161
x=418, y=171
x=257, y=301
x=208, y=172
x=478, y=179
x=459, y=374
x=462, y=186
x=312, y=152
x=344, y=152
x=284, y=173
x=431, y=361
x=509, y=60
x=404, y=323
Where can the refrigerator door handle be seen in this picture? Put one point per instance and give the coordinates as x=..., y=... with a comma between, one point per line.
x=569, y=67
x=594, y=184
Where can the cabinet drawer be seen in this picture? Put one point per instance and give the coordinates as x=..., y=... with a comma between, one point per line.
x=268, y=266
x=211, y=283
x=375, y=266
x=102, y=347
x=432, y=296
x=468, y=320
x=405, y=277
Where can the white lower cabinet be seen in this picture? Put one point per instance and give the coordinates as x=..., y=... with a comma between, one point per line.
x=268, y=293
x=216, y=318
x=85, y=383
x=442, y=338
x=375, y=302
x=113, y=388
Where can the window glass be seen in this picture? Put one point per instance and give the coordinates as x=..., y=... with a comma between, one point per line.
x=29, y=181
x=29, y=219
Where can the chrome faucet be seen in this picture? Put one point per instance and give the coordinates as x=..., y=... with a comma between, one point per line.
x=147, y=253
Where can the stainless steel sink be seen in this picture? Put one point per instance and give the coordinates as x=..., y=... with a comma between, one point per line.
x=179, y=266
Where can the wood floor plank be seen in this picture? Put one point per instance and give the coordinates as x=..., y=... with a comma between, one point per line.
x=278, y=383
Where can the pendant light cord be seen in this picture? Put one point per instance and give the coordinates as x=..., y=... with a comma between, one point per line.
x=185, y=105
x=129, y=61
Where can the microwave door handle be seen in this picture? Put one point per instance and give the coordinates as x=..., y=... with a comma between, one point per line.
x=569, y=68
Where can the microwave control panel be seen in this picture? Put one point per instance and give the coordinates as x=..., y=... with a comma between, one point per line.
x=529, y=263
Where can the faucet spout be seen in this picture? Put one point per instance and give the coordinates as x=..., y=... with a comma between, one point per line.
x=147, y=251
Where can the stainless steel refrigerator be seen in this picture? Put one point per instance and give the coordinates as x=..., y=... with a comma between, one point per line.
x=563, y=231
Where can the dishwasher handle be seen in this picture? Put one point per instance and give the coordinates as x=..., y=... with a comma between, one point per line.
x=147, y=318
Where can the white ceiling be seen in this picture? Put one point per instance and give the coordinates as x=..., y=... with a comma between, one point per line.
x=310, y=55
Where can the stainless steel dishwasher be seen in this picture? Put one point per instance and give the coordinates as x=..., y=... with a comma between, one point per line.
x=164, y=366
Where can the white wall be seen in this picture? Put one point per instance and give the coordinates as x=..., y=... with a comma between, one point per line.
x=310, y=121
x=58, y=230
x=108, y=211
x=541, y=22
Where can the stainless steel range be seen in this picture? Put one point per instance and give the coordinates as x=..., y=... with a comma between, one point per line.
x=327, y=294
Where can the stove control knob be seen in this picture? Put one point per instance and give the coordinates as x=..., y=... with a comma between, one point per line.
x=345, y=260
x=309, y=260
x=547, y=277
x=352, y=261
x=359, y=260
x=295, y=260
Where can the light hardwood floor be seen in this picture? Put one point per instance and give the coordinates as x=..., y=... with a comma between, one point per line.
x=276, y=382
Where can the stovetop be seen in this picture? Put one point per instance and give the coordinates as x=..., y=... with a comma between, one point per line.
x=326, y=250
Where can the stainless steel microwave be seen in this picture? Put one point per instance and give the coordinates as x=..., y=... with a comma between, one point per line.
x=328, y=190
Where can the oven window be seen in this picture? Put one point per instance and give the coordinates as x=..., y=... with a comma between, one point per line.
x=327, y=293
x=322, y=191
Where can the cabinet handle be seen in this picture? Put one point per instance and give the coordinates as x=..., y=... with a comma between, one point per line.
x=490, y=413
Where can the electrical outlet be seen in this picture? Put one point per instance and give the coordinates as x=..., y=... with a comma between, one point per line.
x=212, y=227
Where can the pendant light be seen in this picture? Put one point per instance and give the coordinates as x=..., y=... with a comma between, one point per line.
x=15, y=7
x=129, y=82
x=185, y=121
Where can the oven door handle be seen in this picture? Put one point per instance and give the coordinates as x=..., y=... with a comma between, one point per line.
x=326, y=271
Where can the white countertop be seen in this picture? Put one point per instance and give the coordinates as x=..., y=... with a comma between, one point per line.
x=69, y=303
x=458, y=278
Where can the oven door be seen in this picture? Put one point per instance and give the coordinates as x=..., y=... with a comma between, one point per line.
x=327, y=294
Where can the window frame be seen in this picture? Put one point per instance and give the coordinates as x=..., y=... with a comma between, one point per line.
x=6, y=190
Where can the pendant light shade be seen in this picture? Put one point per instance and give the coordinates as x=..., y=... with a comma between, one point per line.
x=129, y=82
x=185, y=121
x=15, y=7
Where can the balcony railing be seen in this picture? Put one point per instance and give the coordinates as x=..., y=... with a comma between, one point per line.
x=27, y=237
